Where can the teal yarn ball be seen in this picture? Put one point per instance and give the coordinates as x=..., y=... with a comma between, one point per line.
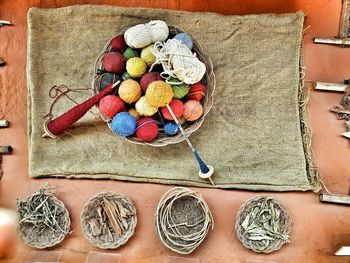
x=171, y=128
x=124, y=124
x=185, y=39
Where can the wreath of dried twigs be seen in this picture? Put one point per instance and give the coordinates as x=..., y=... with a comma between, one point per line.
x=108, y=220
x=183, y=220
x=43, y=220
x=263, y=224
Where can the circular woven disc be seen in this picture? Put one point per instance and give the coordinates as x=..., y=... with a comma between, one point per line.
x=44, y=237
x=96, y=226
x=283, y=226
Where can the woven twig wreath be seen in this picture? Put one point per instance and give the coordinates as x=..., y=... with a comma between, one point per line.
x=108, y=220
x=263, y=224
x=43, y=220
x=183, y=220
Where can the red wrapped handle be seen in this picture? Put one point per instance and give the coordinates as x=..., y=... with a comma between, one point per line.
x=56, y=127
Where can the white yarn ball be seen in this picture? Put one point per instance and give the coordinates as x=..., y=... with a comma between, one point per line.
x=178, y=61
x=142, y=35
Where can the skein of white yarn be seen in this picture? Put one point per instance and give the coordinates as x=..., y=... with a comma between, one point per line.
x=142, y=35
x=178, y=61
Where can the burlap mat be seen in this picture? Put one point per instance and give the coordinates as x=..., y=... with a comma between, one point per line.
x=253, y=135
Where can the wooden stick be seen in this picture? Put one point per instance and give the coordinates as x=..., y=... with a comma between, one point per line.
x=338, y=199
x=4, y=123
x=330, y=86
x=346, y=134
x=332, y=41
x=5, y=149
x=5, y=22
x=343, y=251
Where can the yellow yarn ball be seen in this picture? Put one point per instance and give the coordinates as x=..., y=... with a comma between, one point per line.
x=159, y=93
x=134, y=113
x=144, y=108
x=136, y=67
x=147, y=55
x=129, y=91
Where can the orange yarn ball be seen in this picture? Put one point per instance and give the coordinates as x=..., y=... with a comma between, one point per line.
x=134, y=113
x=193, y=110
x=159, y=93
x=110, y=105
x=129, y=91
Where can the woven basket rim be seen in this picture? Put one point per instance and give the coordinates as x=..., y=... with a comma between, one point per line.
x=126, y=235
x=283, y=210
x=57, y=240
x=199, y=198
x=209, y=95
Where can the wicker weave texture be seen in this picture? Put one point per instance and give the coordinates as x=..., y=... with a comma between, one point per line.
x=93, y=219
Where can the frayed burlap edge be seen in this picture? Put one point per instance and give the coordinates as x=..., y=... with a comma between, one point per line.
x=304, y=96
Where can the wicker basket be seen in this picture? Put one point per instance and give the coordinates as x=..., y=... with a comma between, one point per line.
x=31, y=228
x=183, y=220
x=208, y=81
x=283, y=227
x=96, y=226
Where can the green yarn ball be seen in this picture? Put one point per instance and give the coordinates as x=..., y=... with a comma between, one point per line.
x=180, y=90
x=130, y=53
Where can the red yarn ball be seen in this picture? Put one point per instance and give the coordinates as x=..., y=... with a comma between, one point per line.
x=147, y=129
x=147, y=78
x=114, y=62
x=196, y=92
x=110, y=105
x=118, y=43
x=177, y=107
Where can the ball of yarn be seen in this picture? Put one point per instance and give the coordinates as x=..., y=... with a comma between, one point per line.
x=142, y=35
x=129, y=91
x=136, y=67
x=176, y=106
x=108, y=79
x=134, y=113
x=148, y=78
x=144, y=108
x=171, y=128
x=159, y=93
x=130, y=53
x=118, y=43
x=147, y=55
x=185, y=39
x=125, y=76
x=196, y=92
x=180, y=90
x=110, y=105
x=114, y=62
x=147, y=129
x=193, y=110
x=123, y=124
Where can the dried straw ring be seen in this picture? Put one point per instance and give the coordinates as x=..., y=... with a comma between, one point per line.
x=90, y=212
x=174, y=230
x=43, y=220
x=276, y=237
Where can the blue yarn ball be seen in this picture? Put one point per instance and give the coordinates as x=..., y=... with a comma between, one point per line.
x=185, y=39
x=171, y=128
x=124, y=124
